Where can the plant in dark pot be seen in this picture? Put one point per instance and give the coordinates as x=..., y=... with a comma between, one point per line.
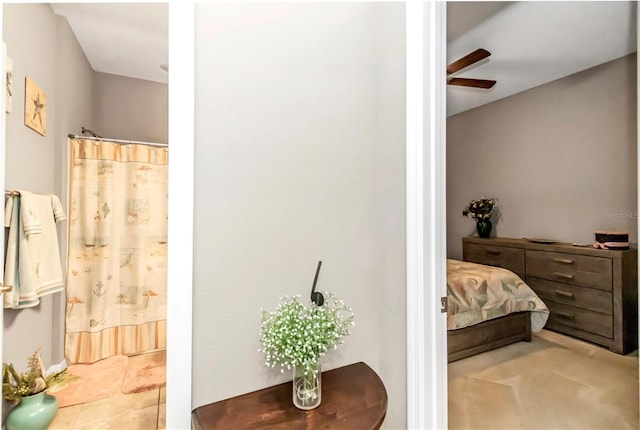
x=481, y=210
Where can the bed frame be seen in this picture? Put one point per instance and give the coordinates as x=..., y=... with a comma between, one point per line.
x=488, y=335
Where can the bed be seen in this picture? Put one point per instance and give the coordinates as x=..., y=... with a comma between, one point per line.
x=488, y=307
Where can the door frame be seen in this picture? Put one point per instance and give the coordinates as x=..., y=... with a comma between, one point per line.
x=3, y=121
x=426, y=214
x=180, y=228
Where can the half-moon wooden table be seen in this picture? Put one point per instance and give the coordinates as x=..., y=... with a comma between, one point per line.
x=353, y=397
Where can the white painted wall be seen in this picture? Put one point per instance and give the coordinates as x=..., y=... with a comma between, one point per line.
x=560, y=158
x=390, y=198
x=299, y=157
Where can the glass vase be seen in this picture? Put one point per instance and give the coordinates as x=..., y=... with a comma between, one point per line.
x=34, y=412
x=307, y=387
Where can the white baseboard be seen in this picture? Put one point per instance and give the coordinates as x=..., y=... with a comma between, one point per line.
x=54, y=368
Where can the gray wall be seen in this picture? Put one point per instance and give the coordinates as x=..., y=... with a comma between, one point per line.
x=73, y=107
x=129, y=109
x=42, y=47
x=560, y=158
x=299, y=157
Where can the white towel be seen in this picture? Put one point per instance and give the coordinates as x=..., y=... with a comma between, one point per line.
x=32, y=264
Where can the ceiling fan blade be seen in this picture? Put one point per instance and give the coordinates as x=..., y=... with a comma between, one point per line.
x=476, y=83
x=467, y=60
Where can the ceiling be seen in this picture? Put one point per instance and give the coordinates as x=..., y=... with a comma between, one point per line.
x=127, y=39
x=531, y=42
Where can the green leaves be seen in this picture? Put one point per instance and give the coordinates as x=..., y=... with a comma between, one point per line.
x=16, y=385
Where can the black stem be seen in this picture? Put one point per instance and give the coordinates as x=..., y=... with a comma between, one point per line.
x=316, y=297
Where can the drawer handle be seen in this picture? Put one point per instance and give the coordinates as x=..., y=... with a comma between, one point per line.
x=566, y=315
x=564, y=294
x=564, y=275
x=563, y=260
x=492, y=252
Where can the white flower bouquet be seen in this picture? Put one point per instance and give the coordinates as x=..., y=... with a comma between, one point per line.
x=296, y=335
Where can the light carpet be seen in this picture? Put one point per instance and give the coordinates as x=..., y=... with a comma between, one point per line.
x=113, y=376
x=552, y=382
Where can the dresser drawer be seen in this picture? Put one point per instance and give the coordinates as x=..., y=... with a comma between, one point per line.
x=501, y=256
x=586, y=298
x=570, y=316
x=595, y=272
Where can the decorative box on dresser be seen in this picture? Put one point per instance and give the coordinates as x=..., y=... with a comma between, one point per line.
x=592, y=294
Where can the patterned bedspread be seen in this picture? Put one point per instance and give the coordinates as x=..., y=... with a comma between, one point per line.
x=478, y=293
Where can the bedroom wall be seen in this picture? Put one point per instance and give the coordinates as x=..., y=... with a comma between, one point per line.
x=560, y=158
x=299, y=155
x=129, y=109
x=42, y=47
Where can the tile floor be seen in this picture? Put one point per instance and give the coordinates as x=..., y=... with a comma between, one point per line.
x=144, y=411
x=553, y=382
x=108, y=380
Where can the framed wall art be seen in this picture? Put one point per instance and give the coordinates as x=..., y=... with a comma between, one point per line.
x=9, y=83
x=35, y=107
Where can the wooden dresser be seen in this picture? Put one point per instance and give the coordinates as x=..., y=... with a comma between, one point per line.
x=592, y=293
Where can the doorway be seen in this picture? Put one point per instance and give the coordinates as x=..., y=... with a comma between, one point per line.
x=528, y=143
x=46, y=44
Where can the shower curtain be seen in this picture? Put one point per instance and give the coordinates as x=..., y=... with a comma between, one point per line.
x=116, y=250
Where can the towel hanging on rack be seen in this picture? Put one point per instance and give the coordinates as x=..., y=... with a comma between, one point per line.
x=32, y=266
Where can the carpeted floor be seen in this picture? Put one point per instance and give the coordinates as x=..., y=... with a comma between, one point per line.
x=112, y=376
x=552, y=382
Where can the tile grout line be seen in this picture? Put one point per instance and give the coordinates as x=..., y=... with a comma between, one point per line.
x=158, y=410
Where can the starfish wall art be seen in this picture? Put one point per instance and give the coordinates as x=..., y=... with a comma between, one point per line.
x=35, y=107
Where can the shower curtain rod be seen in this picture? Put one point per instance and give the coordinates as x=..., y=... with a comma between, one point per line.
x=124, y=142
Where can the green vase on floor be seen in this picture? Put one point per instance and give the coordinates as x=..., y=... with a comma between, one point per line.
x=484, y=228
x=34, y=412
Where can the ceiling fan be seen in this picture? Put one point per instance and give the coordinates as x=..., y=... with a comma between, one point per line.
x=464, y=62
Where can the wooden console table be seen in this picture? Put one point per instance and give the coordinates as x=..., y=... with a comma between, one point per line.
x=353, y=397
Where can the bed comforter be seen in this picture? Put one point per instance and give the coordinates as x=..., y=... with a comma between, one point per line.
x=478, y=293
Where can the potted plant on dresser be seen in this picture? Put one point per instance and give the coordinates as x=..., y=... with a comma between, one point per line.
x=35, y=409
x=480, y=210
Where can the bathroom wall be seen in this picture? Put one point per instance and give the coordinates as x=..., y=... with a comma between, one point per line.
x=42, y=47
x=73, y=107
x=129, y=109
x=299, y=157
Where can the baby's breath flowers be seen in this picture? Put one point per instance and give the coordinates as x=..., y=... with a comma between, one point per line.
x=298, y=336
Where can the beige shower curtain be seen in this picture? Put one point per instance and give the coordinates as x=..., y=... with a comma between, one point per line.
x=117, y=250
